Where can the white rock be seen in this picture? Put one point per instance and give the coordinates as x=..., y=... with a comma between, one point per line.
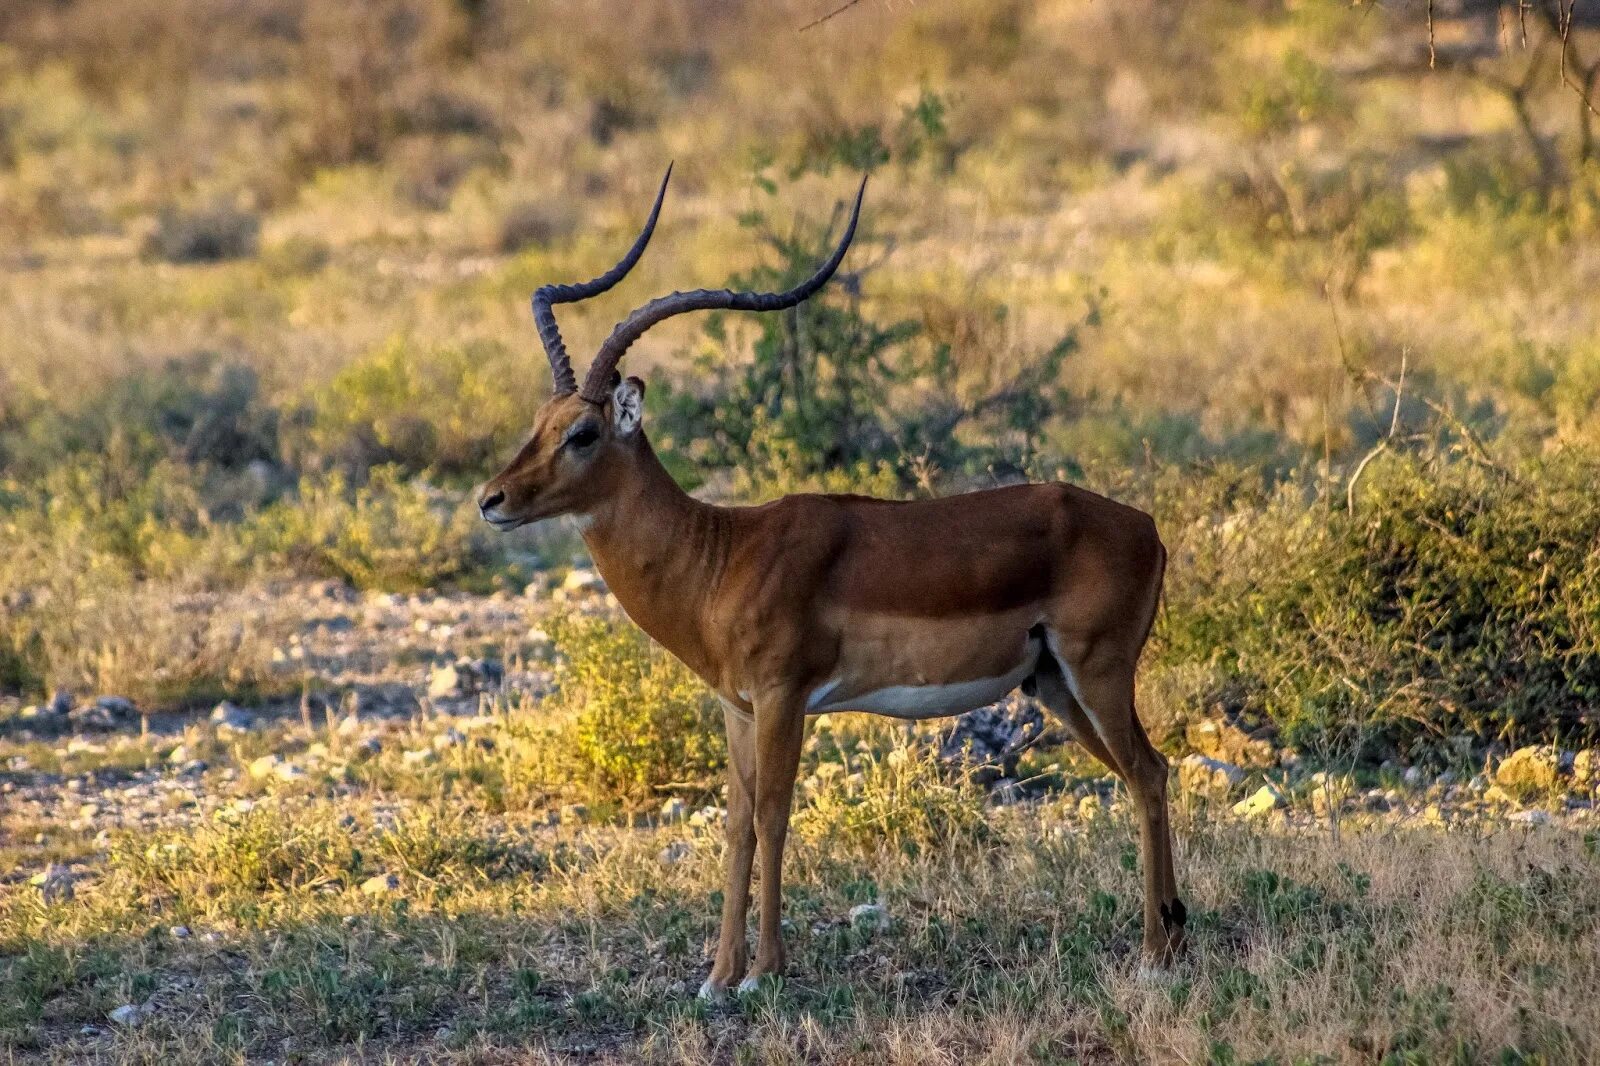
x=55, y=883
x=1203, y=774
x=869, y=916
x=419, y=757
x=450, y=738
x=230, y=717
x=380, y=884
x=265, y=766
x=444, y=682
x=706, y=817
x=1532, y=817
x=675, y=852
x=179, y=932
x=583, y=579
x=288, y=772
x=128, y=1014
x=1262, y=801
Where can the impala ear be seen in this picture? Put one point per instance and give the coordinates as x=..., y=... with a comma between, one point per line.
x=627, y=406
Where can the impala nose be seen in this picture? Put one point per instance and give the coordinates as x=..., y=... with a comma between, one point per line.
x=489, y=501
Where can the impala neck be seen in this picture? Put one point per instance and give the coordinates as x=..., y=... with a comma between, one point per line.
x=661, y=553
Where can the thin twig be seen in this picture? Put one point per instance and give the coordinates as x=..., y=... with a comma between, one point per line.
x=841, y=9
x=1431, y=52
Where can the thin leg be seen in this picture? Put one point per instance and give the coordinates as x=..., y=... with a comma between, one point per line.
x=780, y=727
x=729, y=966
x=1104, y=694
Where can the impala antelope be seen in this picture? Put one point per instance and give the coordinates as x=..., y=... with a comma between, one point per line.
x=817, y=604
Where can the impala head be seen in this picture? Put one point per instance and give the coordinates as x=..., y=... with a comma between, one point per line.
x=585, y=439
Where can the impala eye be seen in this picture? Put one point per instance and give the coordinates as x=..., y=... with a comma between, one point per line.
x=584, y=435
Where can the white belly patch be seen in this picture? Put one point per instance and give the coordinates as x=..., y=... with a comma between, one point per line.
x=923, y=701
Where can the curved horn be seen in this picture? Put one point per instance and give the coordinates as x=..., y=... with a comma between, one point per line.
x=547, y=295
x=597, y=384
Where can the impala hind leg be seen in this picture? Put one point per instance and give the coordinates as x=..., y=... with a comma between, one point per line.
x=1095, y=700
x=729, y=966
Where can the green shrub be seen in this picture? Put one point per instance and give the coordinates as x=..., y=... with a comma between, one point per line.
x=1454, y=599
x=79, y=617
x=452, y=411
x=864, y=798
x=391, y=532
x=639, y=719
x=206, y=236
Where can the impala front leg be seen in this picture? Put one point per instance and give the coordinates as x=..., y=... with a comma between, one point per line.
x=729, y=966
x=780, y=727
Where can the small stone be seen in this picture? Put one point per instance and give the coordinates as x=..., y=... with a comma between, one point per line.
x=105, y=713
x=1414, y=777
x=581, y=579
x=179, y=932
x=1005, y=792
x=179, y=755
x=61, y=702
x=369, y=747
x=675, y=852
x=706, y=817
x=574, y=813
x=444, y=682
x=1089, y=807
x=55, y=883
x=1207, y=776
x=349, y=725
x=673, y=811
x=229, y=717
x=1228, y=742
x=265, y=766
x=419, y=757
x=869, y=916
x=1532, y=817
x=1586, y=767
x=128, y=1014
x=1262, y=801
x=1530, y=771
x=450, y=738
x=380, y=884
x=91, y=1030
x=288, y=772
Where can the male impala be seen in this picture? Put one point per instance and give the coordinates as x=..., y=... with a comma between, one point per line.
x=814, y=604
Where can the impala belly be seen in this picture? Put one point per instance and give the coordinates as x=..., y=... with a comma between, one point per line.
x=927, y=668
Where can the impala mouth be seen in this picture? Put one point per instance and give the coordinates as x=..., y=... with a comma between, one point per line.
x=505, y=525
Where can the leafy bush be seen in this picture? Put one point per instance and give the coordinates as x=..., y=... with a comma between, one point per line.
x=81, y=618
x=834, y=399
x=639, y=719
x=449, y=410
x=390, y=532
x=1454, y=599
x=887, y=795
x=206, y=236
x=197, y=409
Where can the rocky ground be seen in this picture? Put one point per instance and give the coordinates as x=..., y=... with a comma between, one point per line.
x=414, y=682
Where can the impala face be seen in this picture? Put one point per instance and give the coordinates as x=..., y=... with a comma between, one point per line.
x=571, y=460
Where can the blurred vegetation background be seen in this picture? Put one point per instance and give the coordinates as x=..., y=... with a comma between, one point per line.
x=1313, y=281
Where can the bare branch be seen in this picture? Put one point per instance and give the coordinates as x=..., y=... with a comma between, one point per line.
x=841, y=9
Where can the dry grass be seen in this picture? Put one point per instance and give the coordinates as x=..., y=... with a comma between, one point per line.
x=508, y=941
